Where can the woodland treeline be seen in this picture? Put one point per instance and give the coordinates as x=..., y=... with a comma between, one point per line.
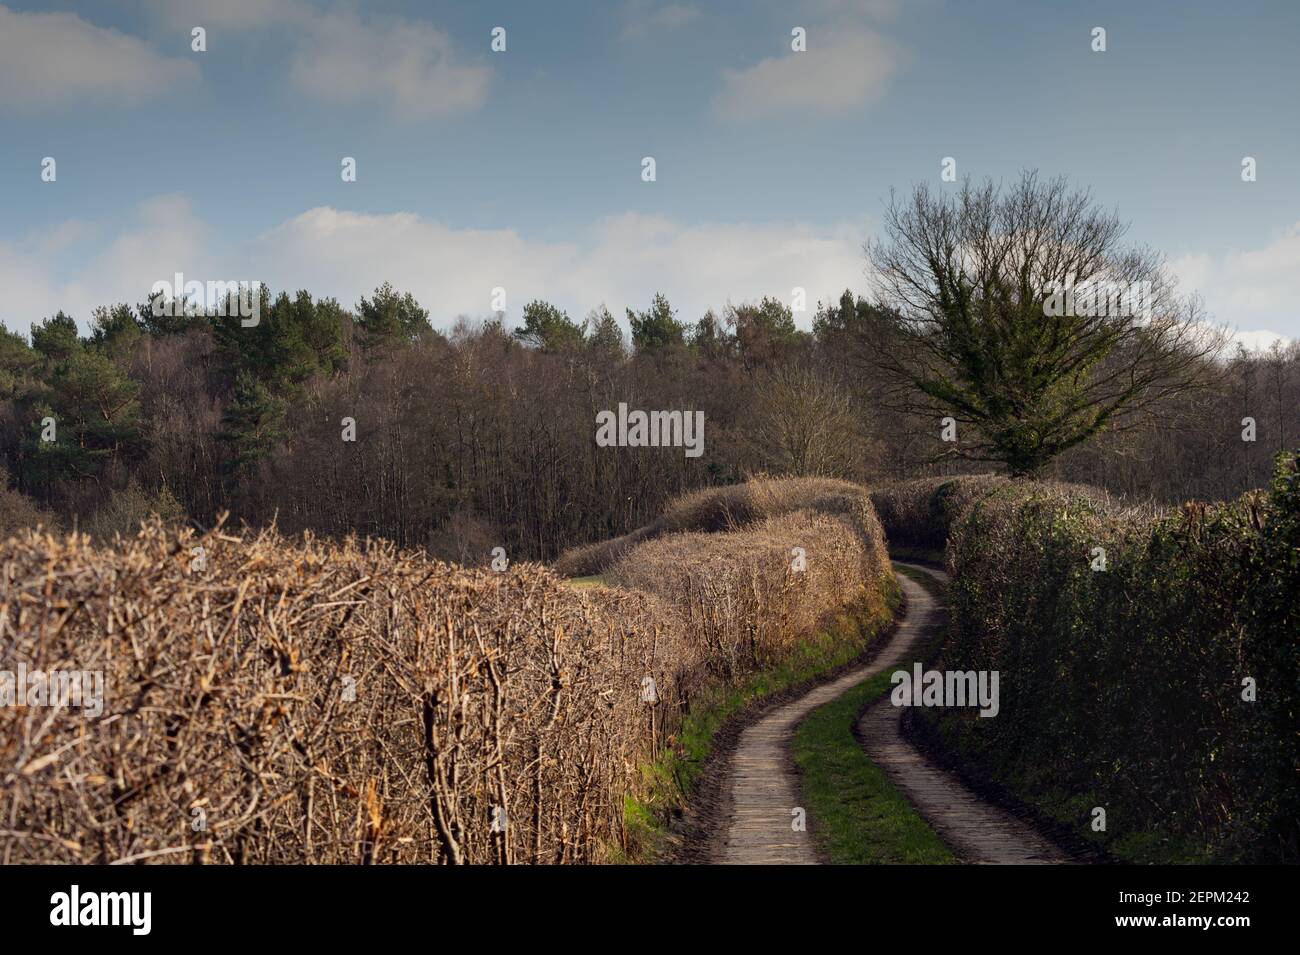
x=483, y=436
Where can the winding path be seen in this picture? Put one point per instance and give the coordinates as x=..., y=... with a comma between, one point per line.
x=763, y=788
x=976, y=831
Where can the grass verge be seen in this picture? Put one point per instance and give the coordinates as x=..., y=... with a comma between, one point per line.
x=861, y=818
x=671, y=779
x=586, y=583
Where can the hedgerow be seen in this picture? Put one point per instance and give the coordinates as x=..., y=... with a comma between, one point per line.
x=274, y=700
x=1127, y=641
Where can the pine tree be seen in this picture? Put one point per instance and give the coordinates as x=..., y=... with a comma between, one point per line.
x=390, y=319
x=604, y=337
x=548, y=328
x=95, y=409
x=251, y=424
x=18, y=363
x=56, y=338
x=656, y=327
x=114, y=331
x=292, y=340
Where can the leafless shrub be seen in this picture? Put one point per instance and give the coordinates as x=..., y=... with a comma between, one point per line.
x=321, y=703
x=742, y=592
x=298, y=701
x=718, y=509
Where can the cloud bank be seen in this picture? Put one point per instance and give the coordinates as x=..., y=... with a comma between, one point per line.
x=619, y=261
x=53, y=60
x=841, y=70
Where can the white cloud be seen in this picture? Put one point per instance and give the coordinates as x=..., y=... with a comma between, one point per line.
x=1253, y=290
x=55, y=59
x=841, y=70
x=1192, y=270
x=451, y=271
x=164, y=236
x=700, y=266
x=1258, y=340
x=620, y=261
x=409, y=66
x=338, y=56
x=30, y=293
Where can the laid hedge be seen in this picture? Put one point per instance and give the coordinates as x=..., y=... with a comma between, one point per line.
x=741, y=594
x=276, y=700
x=300, y=701
x=1123, y=688
x=715, y=509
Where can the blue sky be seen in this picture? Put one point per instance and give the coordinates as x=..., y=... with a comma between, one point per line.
x=522, y=169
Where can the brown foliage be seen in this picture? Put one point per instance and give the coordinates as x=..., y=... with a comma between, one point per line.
x=318, y=702
x=718, y=509
x=741, y=593
x=227, y=692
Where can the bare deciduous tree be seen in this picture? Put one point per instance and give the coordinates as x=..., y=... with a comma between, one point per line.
x=1021, y=314
x=807, y=423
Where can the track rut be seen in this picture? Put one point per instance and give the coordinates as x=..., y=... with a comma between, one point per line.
x=763, y=786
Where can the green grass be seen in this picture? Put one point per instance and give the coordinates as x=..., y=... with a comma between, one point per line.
x=860, y=817
x=582, y=583
x=670, y=779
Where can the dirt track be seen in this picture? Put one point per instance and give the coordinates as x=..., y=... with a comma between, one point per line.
x=974, y=829
x=762, y=787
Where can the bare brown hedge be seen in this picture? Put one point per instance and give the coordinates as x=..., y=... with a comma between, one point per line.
x=301, y=701
x=321, y=703
x=743, y=593
x=718, y=509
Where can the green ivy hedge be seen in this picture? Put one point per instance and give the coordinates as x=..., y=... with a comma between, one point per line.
x=1123, y=688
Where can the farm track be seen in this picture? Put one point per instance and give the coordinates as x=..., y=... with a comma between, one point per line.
x=763, y=787
x=976, y=831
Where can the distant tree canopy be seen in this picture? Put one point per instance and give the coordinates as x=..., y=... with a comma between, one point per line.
x=657, y=327
x=548, y=328
x=389, y=318
x=294, y=339
x=764, y=332
x=56, y=338
x=114, y=331
x=603, y=333
x=1018, y=313
x=486, y=434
